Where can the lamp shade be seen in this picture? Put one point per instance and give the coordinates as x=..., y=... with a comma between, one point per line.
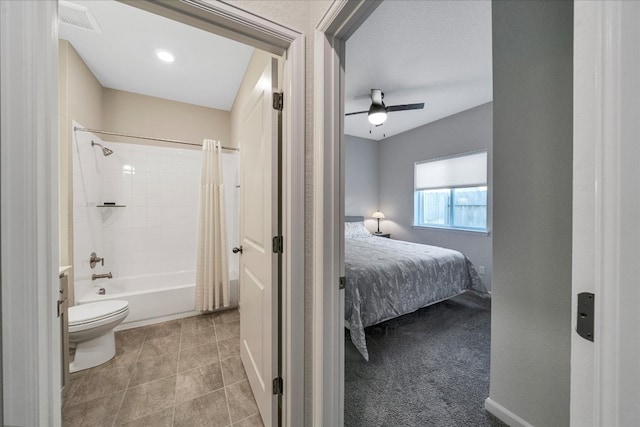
x=377, y=215
x=377, y=114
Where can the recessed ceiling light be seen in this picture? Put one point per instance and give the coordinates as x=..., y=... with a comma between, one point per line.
x=165, y=56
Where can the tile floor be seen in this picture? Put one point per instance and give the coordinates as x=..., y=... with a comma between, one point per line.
x=185, y=372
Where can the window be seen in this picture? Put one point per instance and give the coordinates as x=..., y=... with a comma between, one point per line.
x=452, y=192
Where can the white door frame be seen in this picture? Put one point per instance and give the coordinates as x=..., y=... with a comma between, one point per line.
x=29, y=213
x=606, y=212
x=28, y=36
x=340, y=21
x=603, y=95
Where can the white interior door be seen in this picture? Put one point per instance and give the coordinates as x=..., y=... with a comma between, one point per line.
x=258, y=226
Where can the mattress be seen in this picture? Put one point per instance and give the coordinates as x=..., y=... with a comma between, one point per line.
x=387, y=278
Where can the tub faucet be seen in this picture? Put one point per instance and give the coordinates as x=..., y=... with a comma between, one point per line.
x=102, y=276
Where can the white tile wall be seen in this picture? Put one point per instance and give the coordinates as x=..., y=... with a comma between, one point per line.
x=87, y=191
x=157, y=230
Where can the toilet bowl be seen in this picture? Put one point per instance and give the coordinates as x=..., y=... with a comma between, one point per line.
x=91, y=329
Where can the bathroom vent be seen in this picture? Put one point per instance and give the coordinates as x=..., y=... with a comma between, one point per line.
x=77, y=16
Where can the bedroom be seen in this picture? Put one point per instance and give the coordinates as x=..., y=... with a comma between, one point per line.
x=452, y=75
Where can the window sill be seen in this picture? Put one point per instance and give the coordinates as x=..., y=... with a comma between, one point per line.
x=460, y=230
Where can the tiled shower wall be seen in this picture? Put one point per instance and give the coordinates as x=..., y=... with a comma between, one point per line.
x=87, y=191
x=156, y=230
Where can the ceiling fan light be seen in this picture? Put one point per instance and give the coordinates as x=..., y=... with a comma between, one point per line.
x=165, y=56
x=377, y=114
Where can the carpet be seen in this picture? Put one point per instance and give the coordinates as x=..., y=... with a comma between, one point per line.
x=427, y=368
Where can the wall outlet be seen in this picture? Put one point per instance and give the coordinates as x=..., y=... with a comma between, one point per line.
x=482, y=270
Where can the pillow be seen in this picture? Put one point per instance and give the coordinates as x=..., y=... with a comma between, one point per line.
x=355, y=230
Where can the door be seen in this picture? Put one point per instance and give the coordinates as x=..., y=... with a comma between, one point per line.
x=258, y=225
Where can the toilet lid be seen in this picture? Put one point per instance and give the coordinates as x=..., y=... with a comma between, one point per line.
x=84, y=313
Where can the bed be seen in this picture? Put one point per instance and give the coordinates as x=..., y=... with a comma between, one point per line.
x=387, y=278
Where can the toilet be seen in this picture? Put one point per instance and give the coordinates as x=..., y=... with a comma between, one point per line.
x=91, y=330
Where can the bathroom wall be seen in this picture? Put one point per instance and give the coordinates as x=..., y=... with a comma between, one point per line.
x=150, y=116
x=155, y=231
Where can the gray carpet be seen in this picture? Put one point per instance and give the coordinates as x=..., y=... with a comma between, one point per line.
x=428, y=368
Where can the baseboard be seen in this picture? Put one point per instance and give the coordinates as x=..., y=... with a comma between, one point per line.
x=505, y=415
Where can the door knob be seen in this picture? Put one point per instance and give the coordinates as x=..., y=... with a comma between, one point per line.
x=236, y=250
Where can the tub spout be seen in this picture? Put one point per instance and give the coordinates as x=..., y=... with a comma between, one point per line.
x=102, y=276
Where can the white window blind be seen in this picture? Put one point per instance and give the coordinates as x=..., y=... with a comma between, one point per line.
x=462, y=171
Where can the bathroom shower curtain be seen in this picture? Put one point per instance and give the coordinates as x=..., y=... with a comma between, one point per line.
x=212, y=270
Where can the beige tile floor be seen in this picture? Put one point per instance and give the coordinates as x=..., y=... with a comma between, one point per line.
x=185, y=372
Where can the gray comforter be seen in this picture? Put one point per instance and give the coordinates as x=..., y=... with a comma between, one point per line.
x=388, y=278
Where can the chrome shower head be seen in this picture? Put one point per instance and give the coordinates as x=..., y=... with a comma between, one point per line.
x=105, y=151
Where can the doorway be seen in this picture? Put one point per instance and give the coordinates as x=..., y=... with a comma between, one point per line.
x=154, y=209
x=331, y=51
x=433, y=119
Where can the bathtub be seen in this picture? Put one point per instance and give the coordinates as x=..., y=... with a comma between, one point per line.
x=152, y=298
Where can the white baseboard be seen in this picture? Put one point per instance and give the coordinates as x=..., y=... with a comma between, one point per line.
x=504, y=414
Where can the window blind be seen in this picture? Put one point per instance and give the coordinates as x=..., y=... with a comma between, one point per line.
x=468, y=170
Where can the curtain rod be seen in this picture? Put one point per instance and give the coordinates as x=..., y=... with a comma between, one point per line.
x=173, y=141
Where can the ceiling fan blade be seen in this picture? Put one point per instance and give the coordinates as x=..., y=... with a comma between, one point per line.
x=361, y=97
x=357, y=112
x=405, y=107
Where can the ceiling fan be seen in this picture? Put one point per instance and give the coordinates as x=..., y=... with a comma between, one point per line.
x=377, y=112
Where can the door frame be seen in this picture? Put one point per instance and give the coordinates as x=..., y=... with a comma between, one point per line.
x=29, y=213
x=604, y=373
x=340, y=21
x=29, y=37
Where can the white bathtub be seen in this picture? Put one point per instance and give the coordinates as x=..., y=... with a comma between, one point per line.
x=152, y=298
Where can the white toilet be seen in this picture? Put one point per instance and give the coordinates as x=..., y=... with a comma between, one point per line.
x=91, y=329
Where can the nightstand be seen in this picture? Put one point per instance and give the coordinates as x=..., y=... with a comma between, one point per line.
x=387, y=235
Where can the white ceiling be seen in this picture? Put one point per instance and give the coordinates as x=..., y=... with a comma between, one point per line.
x=436, y=52
x=207, y=71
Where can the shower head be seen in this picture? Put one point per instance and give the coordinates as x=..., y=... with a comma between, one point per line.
x=105, y=151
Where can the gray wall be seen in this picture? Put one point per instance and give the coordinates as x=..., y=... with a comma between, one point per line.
x=533, y=116
x=361, y=179
x=467, y=131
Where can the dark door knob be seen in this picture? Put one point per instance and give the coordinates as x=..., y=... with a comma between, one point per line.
x=236, y=250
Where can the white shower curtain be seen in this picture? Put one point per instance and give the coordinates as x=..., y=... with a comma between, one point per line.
x=212, y=271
